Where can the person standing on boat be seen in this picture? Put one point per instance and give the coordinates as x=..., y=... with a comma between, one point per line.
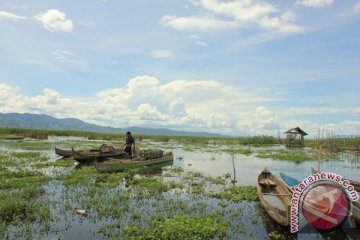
x=129, y=142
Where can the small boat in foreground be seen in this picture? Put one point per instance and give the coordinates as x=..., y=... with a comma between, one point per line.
x=355, y=209
x=117, y=165
x=275, y=197
x=63, y=153
x=356, y=184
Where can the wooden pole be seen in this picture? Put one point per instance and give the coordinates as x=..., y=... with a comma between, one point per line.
x=319, y=156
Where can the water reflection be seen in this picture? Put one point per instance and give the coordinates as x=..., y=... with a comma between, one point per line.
x=248, y=167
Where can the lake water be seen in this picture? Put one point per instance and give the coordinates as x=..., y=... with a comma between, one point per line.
x=210, y=161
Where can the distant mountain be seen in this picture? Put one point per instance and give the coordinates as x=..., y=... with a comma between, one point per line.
x=42, y=121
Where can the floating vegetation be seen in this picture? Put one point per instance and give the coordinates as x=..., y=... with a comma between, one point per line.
x=237, y=193
x=288, y=155
x=246, y=152
x=177, y=170
x=179, y=227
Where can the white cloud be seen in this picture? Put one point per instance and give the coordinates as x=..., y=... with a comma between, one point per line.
x=7, y=15
x=161, y=53
x=181, y=104
x=356, y=8
x=315, y=3
x=196, y=23
x=235, y=14
x=198, y=40
x=194, y=105
x=55, y=21
x=265, y=119
x=67, y=57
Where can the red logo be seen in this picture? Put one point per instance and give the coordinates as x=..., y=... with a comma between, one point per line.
x=324, y=205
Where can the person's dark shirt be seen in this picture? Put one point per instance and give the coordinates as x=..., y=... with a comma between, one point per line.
x=130, y=140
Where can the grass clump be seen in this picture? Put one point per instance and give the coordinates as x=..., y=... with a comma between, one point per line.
x=81, y=176
x=243, y=151
x=177, y=170
x=151, y=185
x=22, y=208
x=179, y=227
x=286, y=155
x=217, y=181
x=237, y=193
x=20, y=179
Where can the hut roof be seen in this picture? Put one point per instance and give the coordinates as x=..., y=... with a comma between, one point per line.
x=296, y=130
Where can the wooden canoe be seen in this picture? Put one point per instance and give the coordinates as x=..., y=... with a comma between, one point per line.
x=96, y=155
x=14, y=138
x=85, y=157
x=355, y=210
x=356, y=184
x=118, y=165
x=275, y=197
x=63, y=153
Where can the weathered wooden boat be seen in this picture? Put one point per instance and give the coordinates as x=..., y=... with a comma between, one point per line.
x=14, y=138
x=88, y=156
x=63, y=153
x=275, y=197
x=356, y=184
x=355, y=210
x=290, y=182
x=118, y=165
x=85, y=156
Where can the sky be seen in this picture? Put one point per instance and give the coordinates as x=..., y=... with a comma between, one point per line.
x=236, y=67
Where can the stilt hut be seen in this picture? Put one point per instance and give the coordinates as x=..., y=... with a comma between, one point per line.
x=295, y=137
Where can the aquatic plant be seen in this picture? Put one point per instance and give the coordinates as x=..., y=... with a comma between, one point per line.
x=179, y=227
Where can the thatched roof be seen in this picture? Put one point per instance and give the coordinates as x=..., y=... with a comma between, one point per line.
x=296, y=130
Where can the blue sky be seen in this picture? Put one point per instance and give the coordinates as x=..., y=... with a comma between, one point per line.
x=239, y=67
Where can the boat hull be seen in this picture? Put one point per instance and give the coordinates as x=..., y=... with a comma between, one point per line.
x=63, y=153
x=270, y=186
x=118, y=165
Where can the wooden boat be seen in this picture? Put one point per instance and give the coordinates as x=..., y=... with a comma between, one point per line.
x=117, y=165
x=63, y=153
x=356, y=184
x=355, y=210
x=96, y=155
x=275, y=197
x=14, y=138
x=85, y=156
x=290, y=182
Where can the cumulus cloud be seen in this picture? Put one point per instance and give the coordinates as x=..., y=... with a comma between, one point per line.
x=161, y=53
x=195, y=105
x=11, y=16
x=182, y=104
x=55, y=21
x=265, y=119
x=217, y=15
x=315, y=3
